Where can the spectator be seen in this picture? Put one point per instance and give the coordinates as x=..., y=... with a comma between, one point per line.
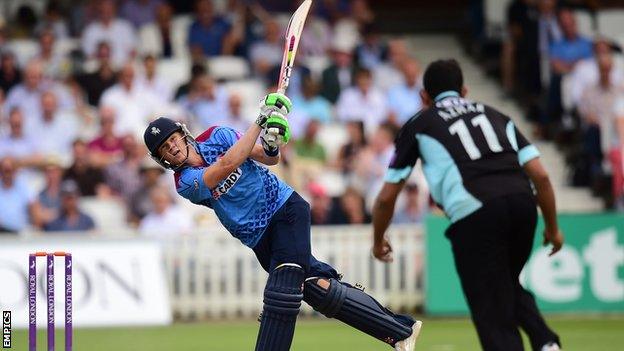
x=234, y=117
x=307, y=147
x=320, y=205
x=165, y=220
x=564, y=55
x=372, y=52
x=339, y=75
x=361, y=13
x=71, y=218
x=55, y=63
x=140, y=12
x=362, y=102
x=27, y=95
x=23, y=26
x=50, y=197
x=316, y=37
x=347, y=154
x=197, y=70
x=95, y=83
x=10, y=74
x=411, y=212
x=133, y=105
x=122, y=177
x=24, y=147
x=404, y=100
x=106, y=148
x=267, y=53
x=310, y=105
x=90, y=179
x=118, y=33
x=53, y=20
x=150, y=175
x=586, y=72
x=206, y=101
x=209, y=35
x=153, y=83
x=389, y=74
x=160, y=37
x=60, y=127
x=19, y=206
x=349, y=208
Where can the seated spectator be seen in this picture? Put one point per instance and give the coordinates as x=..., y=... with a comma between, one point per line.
x=339, y=75
x=362, y=13
x=23, y=147
x=404, y=100
x=209, y=35
x=19, y=206
x=60, y=127
x=373, y=51
x=347, y=155
x=95, y=83
x=24, y=22
x=106, y=148
x=586, y=72
x=122, y=177
x=362, y=102
x=316, y=37
x=390, y=73
x=27, y=95
x=159, y=38
x=134, y=106
x=118, y=33
x=267, y=53
x=349, y=208
x=597, y=116
x=307, y=147
x=564, y=55
x=55, y=64
x=206, y=101
x=234, y=116
x=139, y=12
x=197, y=70
x=411, y=212
x=53, y=19
x=320, y=205
x=71, y=218
x=166, y=219
x=90, y=179
x=50, y=196
x=310, y=105
x=153, y=83
x=10, y=74
x=151, y=177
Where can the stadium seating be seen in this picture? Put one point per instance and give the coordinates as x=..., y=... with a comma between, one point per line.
x=228, y=67
x=611, y=23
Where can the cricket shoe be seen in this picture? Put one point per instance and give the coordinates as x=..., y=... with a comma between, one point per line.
x=551, y=346
x=409, y=344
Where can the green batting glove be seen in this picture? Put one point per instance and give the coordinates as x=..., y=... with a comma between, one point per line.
x=277, y=130
x=273, y=102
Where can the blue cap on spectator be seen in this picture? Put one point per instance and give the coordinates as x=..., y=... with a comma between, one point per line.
x=158, y=131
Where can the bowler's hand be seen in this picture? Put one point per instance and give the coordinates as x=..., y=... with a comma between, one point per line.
x=383, y=251
x=555, y=238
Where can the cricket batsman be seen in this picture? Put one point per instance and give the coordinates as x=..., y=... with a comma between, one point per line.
x=223, y=170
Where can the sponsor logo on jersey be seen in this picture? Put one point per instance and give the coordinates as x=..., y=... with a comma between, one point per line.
x=227, y=184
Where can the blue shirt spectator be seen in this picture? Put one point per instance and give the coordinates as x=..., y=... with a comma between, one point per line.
x=404, y=99
x=571, y=50
x=15, y=197
x=207, y=33
x=70, y=218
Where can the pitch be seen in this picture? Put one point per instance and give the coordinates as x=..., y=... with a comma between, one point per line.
x=578, y=334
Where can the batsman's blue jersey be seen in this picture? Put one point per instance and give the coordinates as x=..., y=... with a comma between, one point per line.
x=246, y=200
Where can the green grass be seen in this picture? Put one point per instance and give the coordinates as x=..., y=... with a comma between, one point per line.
x=578, y=334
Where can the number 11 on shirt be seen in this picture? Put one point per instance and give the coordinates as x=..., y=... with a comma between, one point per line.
x=460, y=129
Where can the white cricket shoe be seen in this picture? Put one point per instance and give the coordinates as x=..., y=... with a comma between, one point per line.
x=409, y=344
x=551, y=346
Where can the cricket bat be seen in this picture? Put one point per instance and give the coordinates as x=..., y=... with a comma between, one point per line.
x=293, y=36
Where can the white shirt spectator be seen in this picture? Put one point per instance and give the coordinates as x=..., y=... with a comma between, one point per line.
x=58, y=134
x=157, y=86
x=172, y=222
x=29, y=101
x=387, y=76
x=354, y=105
x=22, y=147
x=585, y=74
x=119, y=34
x=134, y=108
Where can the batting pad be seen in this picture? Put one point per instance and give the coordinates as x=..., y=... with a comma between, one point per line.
x=282, y=299
x=357, y=309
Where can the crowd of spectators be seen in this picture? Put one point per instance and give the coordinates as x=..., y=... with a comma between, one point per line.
x=73, y=110
x=572, y=85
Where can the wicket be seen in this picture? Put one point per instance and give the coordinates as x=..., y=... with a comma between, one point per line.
x=32, y=299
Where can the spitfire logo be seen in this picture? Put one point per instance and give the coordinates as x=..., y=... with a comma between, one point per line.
x=155, y=131
x=227, y=184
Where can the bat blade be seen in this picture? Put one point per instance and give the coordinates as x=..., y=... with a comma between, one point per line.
x=293, y=36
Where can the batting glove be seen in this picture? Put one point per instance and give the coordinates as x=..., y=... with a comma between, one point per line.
x=273, y=102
